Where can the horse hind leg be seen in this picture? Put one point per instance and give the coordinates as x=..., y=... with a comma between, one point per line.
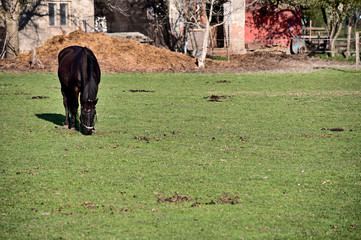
x=74, y=110
x=65, y=102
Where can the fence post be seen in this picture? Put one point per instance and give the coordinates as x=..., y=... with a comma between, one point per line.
x=357, y=50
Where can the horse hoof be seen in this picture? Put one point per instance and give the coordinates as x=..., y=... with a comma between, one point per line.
x=65, y=126
x=72, y=129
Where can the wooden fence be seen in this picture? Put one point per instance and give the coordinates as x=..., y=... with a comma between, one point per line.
x=311, y=35
x=319, y=36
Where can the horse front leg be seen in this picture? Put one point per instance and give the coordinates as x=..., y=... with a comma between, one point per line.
x=74, y=111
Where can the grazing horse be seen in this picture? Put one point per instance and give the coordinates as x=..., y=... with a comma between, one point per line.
x=79, y=72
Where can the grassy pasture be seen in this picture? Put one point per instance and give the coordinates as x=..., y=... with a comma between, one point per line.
x=184, y=156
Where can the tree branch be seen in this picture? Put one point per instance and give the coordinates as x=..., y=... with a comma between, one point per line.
x=2, y=12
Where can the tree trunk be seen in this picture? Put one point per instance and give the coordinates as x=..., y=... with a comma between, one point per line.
x=332, y=47
x=338, y=15
x=335, y=34
x=357, y=38
x=12, y=34
x=202, y=58
x=349, y=27
x=11, y=14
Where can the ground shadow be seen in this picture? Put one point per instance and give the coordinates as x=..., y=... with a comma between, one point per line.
x=55, y=118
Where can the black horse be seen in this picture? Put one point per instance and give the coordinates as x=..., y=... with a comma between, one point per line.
x=79, y=72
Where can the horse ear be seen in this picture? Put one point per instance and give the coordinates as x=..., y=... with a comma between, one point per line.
x=96, y=101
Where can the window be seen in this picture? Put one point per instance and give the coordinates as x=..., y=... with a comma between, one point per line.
x=58, y=17
x=52, y=14
x=63, y=14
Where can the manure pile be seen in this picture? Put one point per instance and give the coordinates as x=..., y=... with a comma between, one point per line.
x=113, y=54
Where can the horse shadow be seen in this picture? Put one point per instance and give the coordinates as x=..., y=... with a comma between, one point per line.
x=55, y=118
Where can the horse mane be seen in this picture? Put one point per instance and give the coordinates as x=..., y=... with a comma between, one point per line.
x=92, y=72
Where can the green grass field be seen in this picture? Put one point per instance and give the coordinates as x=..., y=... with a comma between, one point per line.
x=273, y=156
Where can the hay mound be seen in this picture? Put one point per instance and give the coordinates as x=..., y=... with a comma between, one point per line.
x=113, y=54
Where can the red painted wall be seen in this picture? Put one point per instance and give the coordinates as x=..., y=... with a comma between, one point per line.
x=269, y=26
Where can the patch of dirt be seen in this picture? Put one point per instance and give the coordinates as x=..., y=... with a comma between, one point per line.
x=39, y=97
x=336, y=129
x=215, y=98
x=147, y=139
x=175, y=198
x=117, y=56
x=223, y=199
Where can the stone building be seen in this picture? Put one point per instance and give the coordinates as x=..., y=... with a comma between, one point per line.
x=55, y=17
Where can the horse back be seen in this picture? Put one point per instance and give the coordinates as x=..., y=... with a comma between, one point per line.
x=75, y=64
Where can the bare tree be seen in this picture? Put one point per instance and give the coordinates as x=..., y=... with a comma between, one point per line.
x=202, y=58
x=204, y=15
x=334, y=17
x=11, y=13
x=112, y=6
x=352, y=21
x=190, y=15
x=157, y=14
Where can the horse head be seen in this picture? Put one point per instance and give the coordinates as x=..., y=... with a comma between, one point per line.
x=88, y=116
